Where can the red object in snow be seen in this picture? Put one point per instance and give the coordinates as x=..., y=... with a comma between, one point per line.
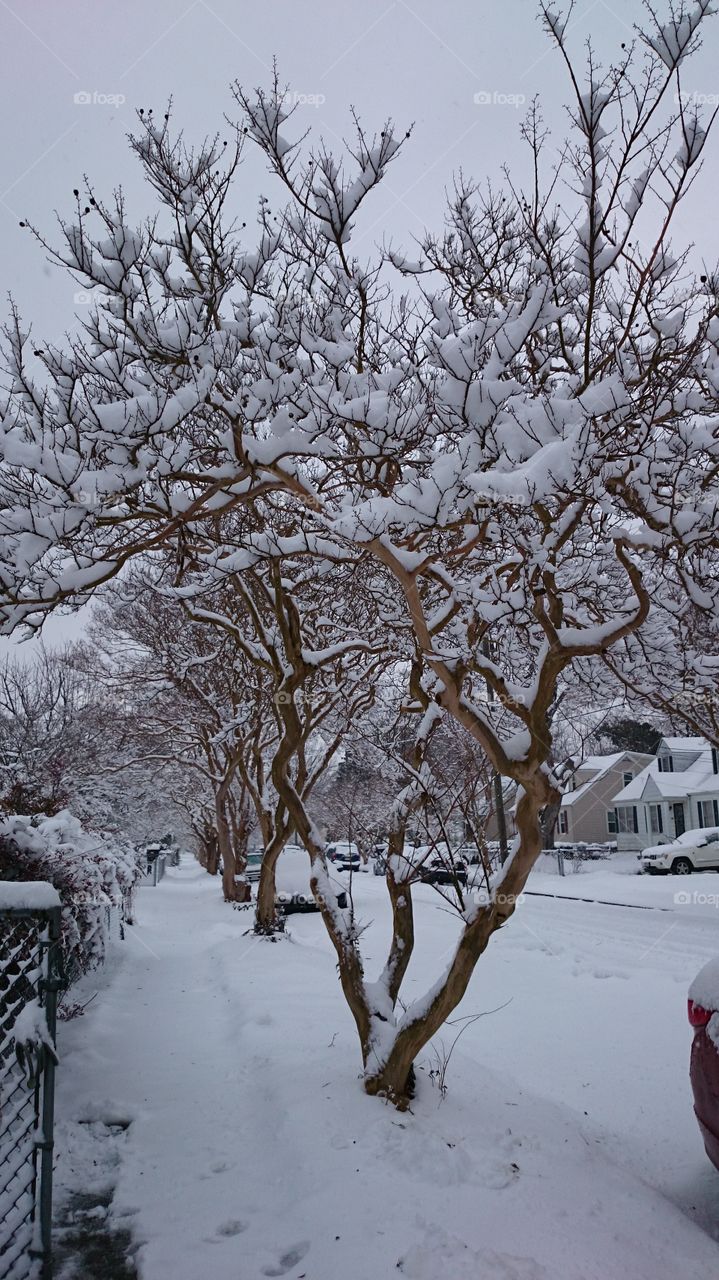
x=704, y=1075
x=698, y=1016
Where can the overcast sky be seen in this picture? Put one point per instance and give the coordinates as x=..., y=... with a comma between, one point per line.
x=75, y=72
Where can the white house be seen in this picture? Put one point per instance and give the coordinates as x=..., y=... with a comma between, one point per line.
x=678, y=791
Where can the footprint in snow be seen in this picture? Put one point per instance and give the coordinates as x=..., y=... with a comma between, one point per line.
x=233, y=1227
x=289, y=1259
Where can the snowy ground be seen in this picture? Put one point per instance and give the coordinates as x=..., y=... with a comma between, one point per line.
x=215, y=1077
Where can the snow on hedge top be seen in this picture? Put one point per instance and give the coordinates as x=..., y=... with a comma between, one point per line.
x=28, y=895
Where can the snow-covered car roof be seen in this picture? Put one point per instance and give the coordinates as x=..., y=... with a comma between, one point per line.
x=292, y=874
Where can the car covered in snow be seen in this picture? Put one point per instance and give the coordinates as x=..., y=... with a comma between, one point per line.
x=254, y=864
x=438, y=864
x=440, y=871
x=703, y=1010
x=292, y=883
x=470, y=854
x=345, y=855
x=696, y=850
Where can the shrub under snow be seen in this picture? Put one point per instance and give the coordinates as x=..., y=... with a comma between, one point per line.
x=92, y=871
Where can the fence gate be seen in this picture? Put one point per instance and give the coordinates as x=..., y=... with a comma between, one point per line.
x=30, y=975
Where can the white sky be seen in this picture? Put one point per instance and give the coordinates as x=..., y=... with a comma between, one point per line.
x=416, y=60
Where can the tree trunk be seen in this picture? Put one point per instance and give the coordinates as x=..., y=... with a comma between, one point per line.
x=268, y=920
x=211, y=854
x=230, y=888
x=266, y=911
x=394, y=1079
x=549, y=823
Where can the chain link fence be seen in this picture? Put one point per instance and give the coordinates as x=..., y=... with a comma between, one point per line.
x=30, y=976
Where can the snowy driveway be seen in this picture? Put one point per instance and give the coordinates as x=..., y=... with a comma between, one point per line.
x=565, y=1150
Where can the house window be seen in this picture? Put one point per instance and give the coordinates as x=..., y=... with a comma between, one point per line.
x=656, y=822
x=708, y=813
x=715, y=760
x=626, y=779
x=563, y=823
x=612, y=821
x=666, y=764
x=627, y=818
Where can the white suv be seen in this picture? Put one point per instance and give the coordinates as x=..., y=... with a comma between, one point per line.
x=694, y=851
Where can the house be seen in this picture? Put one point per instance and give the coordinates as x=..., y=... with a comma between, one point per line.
x=677, y=792
x=587, y=811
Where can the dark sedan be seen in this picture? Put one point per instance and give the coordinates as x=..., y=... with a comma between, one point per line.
x=440, y=872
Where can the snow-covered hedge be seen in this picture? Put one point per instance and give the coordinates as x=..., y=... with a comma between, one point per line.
x=92, y=871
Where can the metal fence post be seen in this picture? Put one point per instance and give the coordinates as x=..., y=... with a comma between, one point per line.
x=30, y=970
x=49, y=987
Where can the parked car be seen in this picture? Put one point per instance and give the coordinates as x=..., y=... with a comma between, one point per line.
x=703, y=1010
x=470, y=854
x=346, y=856
x=254, y=864
x=696, y=850
x=292, y=883
x=444, y=871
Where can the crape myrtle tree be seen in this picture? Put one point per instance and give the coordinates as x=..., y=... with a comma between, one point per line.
x=190, y=699
x=61, y=728
x=672, y=666
x=263, y=683
x=353, y=800
x=496, y=447
x=51, y=725
x=454, y=793
x=308, y=636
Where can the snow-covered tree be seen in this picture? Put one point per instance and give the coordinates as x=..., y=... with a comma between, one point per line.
x=51, y=724
x=493, y=436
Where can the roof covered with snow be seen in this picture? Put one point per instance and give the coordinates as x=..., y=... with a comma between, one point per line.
x=599, y=766
x=683, y=744
x=698, y=780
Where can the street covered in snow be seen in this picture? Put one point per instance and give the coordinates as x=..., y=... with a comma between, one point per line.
x=214, y=1088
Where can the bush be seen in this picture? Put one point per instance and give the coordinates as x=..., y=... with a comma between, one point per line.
x=93, y=872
